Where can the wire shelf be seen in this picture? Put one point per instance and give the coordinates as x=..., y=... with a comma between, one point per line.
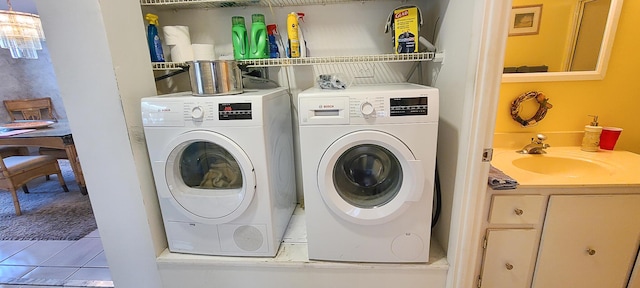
x=408, y=57
x=196, y=4
x=164, y=66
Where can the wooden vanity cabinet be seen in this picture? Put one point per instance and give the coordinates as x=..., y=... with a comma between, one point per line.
x=588, y=241
x=549, y=241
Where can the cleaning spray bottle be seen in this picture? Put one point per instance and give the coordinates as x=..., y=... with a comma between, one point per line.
x=239, y=38
x=273, y=45
x=591, y=138
x=292, y=33
x=304, y=51
x=155, y=46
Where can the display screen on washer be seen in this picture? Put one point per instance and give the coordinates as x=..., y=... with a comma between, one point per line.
x=408, y=106
x=234, y=111
x=206, y=165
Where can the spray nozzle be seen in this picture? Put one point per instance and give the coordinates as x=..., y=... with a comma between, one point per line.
x=152, y=18
x=595, y=120
x=301, y=16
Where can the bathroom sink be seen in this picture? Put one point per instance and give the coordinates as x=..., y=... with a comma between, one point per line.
x=561, y=166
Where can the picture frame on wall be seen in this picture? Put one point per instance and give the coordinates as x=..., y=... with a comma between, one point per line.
x=525, y=20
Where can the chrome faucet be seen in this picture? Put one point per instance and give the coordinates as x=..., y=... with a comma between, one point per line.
x=536, y=146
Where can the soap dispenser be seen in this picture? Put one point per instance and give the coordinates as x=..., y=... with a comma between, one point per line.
x=591, y=139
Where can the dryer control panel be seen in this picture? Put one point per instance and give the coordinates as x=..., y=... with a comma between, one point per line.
x=234, y=111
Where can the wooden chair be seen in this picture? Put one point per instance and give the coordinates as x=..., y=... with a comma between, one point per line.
x=18, y=170
x=34, y=109
x=29, y=109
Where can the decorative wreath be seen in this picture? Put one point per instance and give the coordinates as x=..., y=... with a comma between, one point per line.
x=542, y=109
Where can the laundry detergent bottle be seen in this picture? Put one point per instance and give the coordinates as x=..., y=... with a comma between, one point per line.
x=239, y=38
x=155, y=46
x=259, y=43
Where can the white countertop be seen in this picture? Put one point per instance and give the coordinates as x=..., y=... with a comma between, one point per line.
x=622, y=168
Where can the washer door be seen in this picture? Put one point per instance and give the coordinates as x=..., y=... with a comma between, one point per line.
x=369, y=177
x=209, y=176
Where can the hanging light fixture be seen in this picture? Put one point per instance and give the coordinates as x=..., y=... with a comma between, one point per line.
x=21, y=33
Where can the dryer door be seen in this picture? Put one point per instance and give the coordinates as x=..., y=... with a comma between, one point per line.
x=369, y=177
x=209, y=176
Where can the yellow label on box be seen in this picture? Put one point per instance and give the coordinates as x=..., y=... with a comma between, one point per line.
x=406, y=27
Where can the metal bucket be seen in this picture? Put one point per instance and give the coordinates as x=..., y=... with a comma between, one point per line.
x=215, y=77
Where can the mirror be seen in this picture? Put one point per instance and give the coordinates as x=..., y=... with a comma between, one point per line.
x=572, y=38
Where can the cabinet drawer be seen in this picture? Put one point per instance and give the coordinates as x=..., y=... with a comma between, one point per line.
x=516, y=209
x=509, y=258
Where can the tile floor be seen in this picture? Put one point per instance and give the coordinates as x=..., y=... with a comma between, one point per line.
x=31, y=264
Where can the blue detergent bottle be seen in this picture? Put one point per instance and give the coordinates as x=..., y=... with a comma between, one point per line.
x=155, y=46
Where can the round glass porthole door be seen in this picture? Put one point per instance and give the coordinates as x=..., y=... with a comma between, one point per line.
x=209, y=176
x=369, y=177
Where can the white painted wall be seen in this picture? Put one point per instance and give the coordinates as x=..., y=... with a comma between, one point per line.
x=102, y=65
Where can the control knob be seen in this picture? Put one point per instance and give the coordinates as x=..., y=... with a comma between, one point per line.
x=197, y=113
x=367, y=109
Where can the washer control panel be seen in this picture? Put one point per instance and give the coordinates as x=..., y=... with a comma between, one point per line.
x=397, y=103
x=367, y=107
x=410, y=106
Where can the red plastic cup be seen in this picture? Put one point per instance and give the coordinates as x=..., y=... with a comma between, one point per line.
x=609, y=137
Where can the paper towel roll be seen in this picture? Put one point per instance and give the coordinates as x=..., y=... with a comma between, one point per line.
x=181, y=53
x=174, y=35
x=203, y=52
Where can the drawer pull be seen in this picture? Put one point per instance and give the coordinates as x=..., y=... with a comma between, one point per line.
x=518, y=211
x=509, y=266
x=591, y=251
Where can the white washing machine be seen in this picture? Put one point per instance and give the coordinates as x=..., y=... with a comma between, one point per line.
x=224, y=171
x=368, y=163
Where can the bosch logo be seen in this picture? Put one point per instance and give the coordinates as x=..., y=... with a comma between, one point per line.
x=164, y=110
x=326, y=106
x=402, y=14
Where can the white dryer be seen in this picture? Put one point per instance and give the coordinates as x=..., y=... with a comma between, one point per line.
x=368, y=163
x=224, y=171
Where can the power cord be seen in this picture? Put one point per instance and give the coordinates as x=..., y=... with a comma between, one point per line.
x=437, y=199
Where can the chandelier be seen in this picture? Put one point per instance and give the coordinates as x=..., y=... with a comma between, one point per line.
x=21, y=33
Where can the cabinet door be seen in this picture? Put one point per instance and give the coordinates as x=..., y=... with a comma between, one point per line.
x=588, y=241
x=508, y=258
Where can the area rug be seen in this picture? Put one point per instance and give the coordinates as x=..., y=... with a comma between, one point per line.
x=48, y=213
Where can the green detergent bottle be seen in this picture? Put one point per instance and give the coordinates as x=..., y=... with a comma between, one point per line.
x=259, y=41
x=239, y=38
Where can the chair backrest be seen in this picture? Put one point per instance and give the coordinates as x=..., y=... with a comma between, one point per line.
x=30, y=109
